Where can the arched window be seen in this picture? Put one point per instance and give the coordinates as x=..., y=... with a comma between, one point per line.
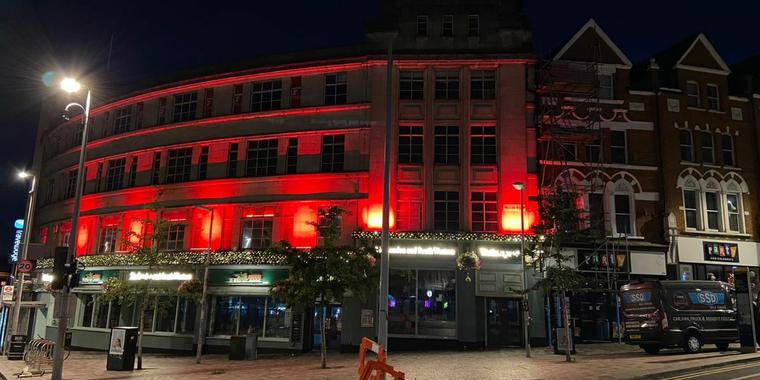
x=691, y=210
x=623, y=210
x=734, y=211
x=687, y=145
x=712, y=202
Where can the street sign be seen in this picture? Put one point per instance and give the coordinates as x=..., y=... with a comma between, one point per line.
x=8, y=293
x=24, y=266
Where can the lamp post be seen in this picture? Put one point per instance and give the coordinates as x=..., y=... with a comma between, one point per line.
x=71, y=86
x=202, y=328
x=526, y=313
x=27, y=233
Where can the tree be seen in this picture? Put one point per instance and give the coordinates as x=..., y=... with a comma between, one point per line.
x=559, y=225
x=325, y=274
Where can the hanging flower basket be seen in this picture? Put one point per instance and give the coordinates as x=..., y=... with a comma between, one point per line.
x=468, y=261
x=192, y=289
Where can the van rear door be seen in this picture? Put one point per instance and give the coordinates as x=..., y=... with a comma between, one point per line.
x=640, y=307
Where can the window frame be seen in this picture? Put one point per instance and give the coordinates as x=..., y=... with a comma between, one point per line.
x=446, y=145
x=730, y=153
x=179, y=168
x=480, y=213
x=266, y=95
x=291, y=156
x=261, y=158
x=108, y=234
x=713, y=101
x=717, y=210
x=631, y=212
x=681, y=133
x=203, y=163
x=704, y=148
x=473, y=29
x=480, y=140
x=122, y=121
x=606, y=92
x=693, y=96
x=696, y=210
x=333, y=160
x=411, y=147
x=266, y=223
x=447, y=84
x=739, y=213
x=447, y=26
x=115, y=171
x=178, y=229
x=185, y=107
x=411, y=85
x=483, y=84
x=614, y=148
x=336, y=88
x=449, y=206
x=422, y=25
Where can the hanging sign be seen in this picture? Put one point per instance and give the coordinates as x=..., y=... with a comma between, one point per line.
x=18, y=224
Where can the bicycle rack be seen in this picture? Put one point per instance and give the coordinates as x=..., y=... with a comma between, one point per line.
x=38, y=357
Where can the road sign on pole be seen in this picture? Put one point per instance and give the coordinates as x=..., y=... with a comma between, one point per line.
x=24, y=266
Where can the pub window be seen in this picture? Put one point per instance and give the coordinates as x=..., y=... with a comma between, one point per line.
x=266, y=96
x=132, y=172
x=232, y=160
x=332, y=153
x=447, y=145
x=691, y=208
x=733, y=212
x=473, y=25
x=411, y=85
x=185, y=106
x=169, y=314
x=422, y=26
x=175, y=237
x=707, y=148
x=483, y=84
x=713, y=97
x=292, y=155
x=108, y=235
x=447, y=29
x=179, y=165
x=410, y=145
x=422, y=302
x=115, y=174
x=336, y=88
x=95, y=313
x=727, y=149
x=687, y=145
x=261, y=159
x=257, y=233
x=618, y=147
x=235, y=315
x=122, y=121
x=203, y=163
x=446, y=210
x=692, y=94
x=484, y=212
x=447, y=85
x=155, y=170
x=483, y=145
x=71, y=183
x=712, y=207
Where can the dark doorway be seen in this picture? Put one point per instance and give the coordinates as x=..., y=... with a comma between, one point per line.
x=333, y=326
x=503, y=322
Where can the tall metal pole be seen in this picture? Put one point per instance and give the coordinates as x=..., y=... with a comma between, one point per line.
x=63, y=321
x=526, y=311
x=202, y=328
x=382, y=323
x=27, y=232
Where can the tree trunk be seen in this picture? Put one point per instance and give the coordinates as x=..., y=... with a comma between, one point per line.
x=140, y=335
x=323, y=348
x=568, y=329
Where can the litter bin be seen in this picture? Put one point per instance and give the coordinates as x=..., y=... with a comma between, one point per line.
x=244, y=347
x=559, y=340
x=122, y=349
x=17, y=347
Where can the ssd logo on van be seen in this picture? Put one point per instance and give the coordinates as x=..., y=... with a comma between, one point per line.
x=706, y=298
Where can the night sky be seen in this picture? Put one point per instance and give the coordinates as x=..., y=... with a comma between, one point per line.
x=155, y=37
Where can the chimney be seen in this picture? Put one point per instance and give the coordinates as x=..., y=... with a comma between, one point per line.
x=654, y=74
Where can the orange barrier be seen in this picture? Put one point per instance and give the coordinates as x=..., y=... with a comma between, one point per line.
x=375, y=369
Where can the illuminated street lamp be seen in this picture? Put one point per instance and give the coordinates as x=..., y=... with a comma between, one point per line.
x=519, y=186
x=71, y=86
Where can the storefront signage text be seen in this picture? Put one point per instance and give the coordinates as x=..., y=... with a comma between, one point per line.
x=160, y=276
x=493, y=252
x=247, y=278
x=417, y=250
x=725, y=252
x=19, y=226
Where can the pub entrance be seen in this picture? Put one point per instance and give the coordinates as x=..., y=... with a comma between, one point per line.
x=503, y=322
x=333, y=326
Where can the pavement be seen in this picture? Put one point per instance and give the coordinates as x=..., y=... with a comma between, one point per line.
x=593, y=361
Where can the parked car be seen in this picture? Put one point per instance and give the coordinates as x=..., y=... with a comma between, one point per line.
x=688, y=314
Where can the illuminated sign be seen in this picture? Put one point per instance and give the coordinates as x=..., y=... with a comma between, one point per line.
x=160, y=276
x=247, y=278
x=494, y=252
x=18, y=224
x=417, y=250
x=47, y=278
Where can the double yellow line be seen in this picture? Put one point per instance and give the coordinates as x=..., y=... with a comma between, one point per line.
x=714, y=371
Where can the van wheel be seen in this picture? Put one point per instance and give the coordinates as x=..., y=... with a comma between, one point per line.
x=651, y=349
x=692, y=343
x=722, y=346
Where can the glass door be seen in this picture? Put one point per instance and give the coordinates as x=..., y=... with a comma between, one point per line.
x=333, y=326
x=503, y=322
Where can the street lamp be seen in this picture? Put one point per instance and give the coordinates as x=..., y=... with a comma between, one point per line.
x=71, y=85
x=202, y=329
x=519, y=186
x=27, y=233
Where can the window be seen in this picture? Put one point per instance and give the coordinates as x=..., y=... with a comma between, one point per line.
x=257, y=233
x=175, y=237
x=727, y=149
x=203, y=163
x=483, y=145
x=483, y=84
x=232, y=160
x=593, y=153
x=168, y=314
x=473, y=25
x=185, y=106
x=484, y=212
x=122, y=120
x=411, y=85
x=623, y=215
x=292, y=155
x=50, y=191
x=687, y=146
x=691, y=208
x=606, y=86
x=235, y=315
x=422, y=302
x=336, y=88
x=95, y=313
x=596, y=212
x=115, y=175
x=447, y=29
x=98, y=177
x=447, y=145
x=266, y=96
x=422, y=26
x=71, y=184
x=708, y=153
x=447, y=85
x=713, y=98
x=332, y=153
x=155, y=170
x=108, y=236
x=732, y=210
x=692, y=94
x=132, y=172
x=409, y=210
x=410, y=145
x=712, y=206
x=179, y=165
x=261, y=159
x=618, y=149
x=446, y=210
x=569, y=151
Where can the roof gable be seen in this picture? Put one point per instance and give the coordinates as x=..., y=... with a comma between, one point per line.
x=581, y=47
x=702, y=55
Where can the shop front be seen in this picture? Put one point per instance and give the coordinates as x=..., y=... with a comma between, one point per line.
x=715, y=259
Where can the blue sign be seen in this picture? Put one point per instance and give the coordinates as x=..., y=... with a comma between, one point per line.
x=706, y=298
x=637, y=297
x=19, y=225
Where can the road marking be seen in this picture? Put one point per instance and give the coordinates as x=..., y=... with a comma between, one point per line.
x=746, y=377
x=713, y=371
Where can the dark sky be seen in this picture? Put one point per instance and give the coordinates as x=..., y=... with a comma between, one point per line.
x=155, y=37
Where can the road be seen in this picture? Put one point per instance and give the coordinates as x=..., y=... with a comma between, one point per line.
x=743, y=371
